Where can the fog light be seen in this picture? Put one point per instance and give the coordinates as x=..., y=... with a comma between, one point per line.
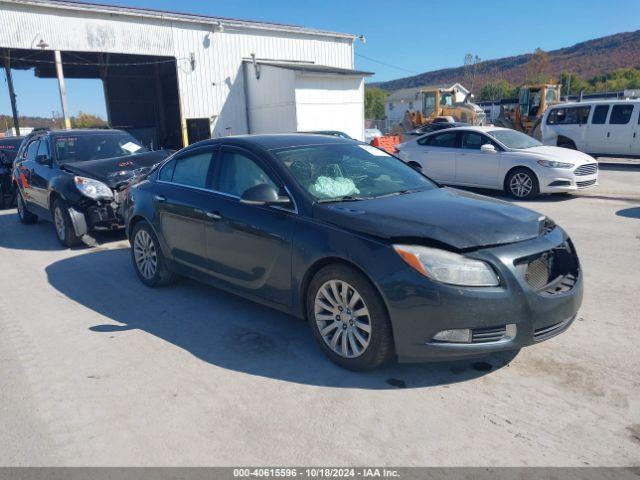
x=459, y=335
x=511, y=331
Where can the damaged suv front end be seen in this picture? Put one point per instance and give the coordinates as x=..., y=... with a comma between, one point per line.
x=99, y=188
x=78, y=178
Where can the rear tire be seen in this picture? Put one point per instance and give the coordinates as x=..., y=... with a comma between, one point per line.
x=24, y=215
x=522, y=183
x=353, y=327
x=65, y=232
x=147, y=257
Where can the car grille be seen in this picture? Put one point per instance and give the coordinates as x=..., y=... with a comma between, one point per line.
x=486, y=335
x=588, y=169
x=586, y=184
x=549, y=331
x=552, y=272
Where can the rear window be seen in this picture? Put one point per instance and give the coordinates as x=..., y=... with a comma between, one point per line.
x=10, y=143
x=9, y=149
x=621, y=114
x=600, y=114
x=444, y=140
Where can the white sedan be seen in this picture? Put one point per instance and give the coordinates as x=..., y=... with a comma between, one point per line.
x=501, y=159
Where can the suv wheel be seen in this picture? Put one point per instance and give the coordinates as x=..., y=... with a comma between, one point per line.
x=348, y=319
x=147, y=257
x=24, y=215
x=64, y=226
x=522, y=183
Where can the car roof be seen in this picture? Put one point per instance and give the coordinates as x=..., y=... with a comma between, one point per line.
x=84, y=131
x=276, y=141
x=479, y=128
x=11, y=139
x=603, y=101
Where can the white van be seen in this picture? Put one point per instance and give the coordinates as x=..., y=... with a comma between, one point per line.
x=600, y=128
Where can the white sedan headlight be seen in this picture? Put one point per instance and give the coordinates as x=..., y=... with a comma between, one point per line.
x=93, y=188
x=554, y=164
x=448, y=267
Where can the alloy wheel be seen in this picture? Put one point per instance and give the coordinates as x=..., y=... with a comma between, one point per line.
x=58, y=220
x=521, y=185
x=342, y=318
x=145, y=254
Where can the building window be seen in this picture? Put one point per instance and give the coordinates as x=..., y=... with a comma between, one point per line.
x=391, y=106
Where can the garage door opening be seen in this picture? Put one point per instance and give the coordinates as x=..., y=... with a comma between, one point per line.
x=140, y=91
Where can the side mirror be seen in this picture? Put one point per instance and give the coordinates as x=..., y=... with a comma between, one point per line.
x=264, y=194
x=415, y=165
x=487, y=147
x=43, y=160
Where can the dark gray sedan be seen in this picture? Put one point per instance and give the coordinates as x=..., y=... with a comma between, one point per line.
x=381, y=261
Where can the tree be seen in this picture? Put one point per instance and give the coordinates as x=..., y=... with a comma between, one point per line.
x=374, y=103
x=87, y=120
x=538, y=66
x=572, y=83
x=497, y=90
x=471, y=62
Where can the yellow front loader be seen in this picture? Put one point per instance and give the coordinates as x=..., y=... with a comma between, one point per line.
x=526, y=116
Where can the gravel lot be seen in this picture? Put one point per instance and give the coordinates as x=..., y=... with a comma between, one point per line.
x=98, y=370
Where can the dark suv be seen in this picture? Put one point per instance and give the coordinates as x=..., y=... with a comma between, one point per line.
x=8, y=149
x=77, y=178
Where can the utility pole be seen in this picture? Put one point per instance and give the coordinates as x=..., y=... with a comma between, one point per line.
x=12, y=94
x=63, y=90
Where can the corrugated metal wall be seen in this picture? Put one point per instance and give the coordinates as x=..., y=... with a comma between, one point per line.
x=210, y=87
x=272, y=99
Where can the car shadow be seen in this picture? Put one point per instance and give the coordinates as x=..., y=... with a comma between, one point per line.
x=619, y=167
x=633, y=212
x=42, y=236
x=228, y=331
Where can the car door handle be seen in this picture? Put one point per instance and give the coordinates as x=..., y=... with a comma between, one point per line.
x=212, y=215
x=159, y=198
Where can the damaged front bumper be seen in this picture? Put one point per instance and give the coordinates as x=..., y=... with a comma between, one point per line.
x=92, y=215
x=540, y=292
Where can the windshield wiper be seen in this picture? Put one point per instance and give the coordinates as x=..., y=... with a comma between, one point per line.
x=346, y=198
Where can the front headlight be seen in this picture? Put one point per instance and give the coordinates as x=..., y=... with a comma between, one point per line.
x=448, y=267
x=93, y=188
x=554, y=164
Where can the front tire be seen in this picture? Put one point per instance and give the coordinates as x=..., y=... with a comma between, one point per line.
x=148, y=260
x=24, y=215
x=348, y=319
x=566, y=143
x=522, y=184
x=65, y=232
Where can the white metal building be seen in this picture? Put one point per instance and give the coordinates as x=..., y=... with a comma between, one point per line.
x=176, y=78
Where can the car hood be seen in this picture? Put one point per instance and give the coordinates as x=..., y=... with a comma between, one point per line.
x=120, y=170
x=453, y=217
x=547, y=152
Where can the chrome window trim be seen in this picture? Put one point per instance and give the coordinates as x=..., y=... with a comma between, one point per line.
x=228, y=195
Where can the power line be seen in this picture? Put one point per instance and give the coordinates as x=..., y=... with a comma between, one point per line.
x=386, y=64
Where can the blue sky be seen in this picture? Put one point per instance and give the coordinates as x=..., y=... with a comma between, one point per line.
x=414, y=36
